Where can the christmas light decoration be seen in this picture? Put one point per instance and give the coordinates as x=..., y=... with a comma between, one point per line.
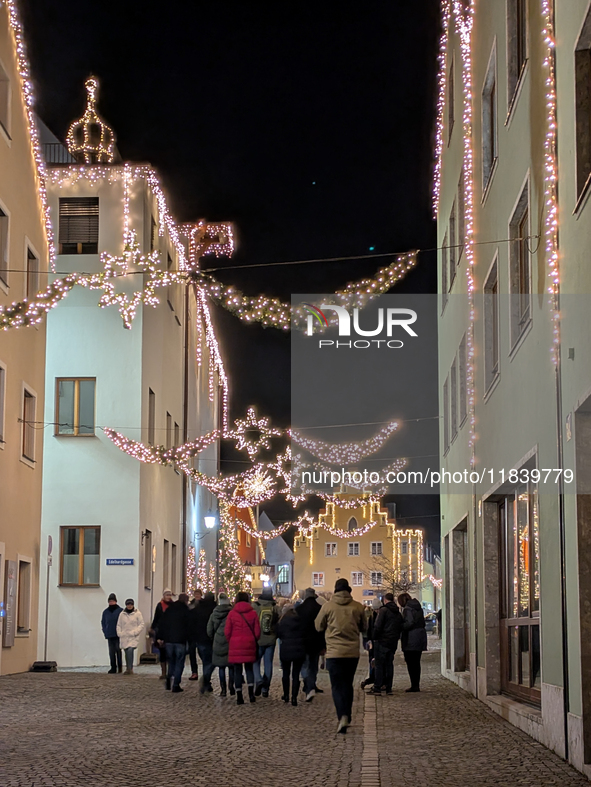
x=441, y=85
x=32, y=310
x=435, y=581
x=26, y=87
x=202, y=578
x=232, y=572
x=345, y=453
x=90, y=140
x=253, y=424
x=191, y=575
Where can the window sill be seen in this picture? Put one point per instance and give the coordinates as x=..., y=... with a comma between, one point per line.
x=70, y=585
x=83, y=436
x=509, y=707
x=525, y=331
x=28, y=462
x=22, y=634
x=491, y=388
x=491, y=177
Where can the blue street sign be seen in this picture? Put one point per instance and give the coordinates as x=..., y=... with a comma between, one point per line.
x=120, y=561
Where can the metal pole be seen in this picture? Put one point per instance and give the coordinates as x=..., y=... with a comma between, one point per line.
x=217, y=561
x=49, y=561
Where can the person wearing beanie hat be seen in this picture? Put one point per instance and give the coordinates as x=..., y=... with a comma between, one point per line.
x=343, y=620
x=387, y=629
x=199, y=642
x=216, y=628
x=130, y=627
x=268, y=614
x=109, y=626
x=314, y=643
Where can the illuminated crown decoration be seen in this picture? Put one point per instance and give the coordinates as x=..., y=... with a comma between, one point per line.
x=90, y=140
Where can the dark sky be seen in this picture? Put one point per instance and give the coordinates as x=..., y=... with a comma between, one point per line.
x=308, y=124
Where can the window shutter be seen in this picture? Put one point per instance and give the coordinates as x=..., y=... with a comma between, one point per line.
x=79, y=217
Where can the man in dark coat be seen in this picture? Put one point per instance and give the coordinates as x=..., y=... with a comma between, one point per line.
x=386, y=633
x=414, y=638
x=313, y=640
x=161, y=608
x=173, y=632
x=200, y=642
x=109, y=626
x=292, y=651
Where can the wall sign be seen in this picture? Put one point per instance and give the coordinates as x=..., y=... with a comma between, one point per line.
x=120, y=561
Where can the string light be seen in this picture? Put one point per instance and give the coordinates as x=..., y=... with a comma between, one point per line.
x=435, y=581
x=345, y=453
x=27, y=92
x=90, y=140
x=249, y=424
x=31, y=311
x=191, y=571
x=441, y=84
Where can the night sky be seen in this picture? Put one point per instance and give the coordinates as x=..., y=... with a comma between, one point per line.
x=308, y=125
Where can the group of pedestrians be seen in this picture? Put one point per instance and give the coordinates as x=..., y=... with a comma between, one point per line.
x=240, y=638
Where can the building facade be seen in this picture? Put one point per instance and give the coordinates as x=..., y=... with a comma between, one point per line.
x=145, y=369
x=511, y=192
x=24, y=259
x=361, y=545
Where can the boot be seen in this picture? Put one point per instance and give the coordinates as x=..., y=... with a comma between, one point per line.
x=294, y=700
x=239, y=697
x=259, y=688
x=168, y=682
x=112, y=671
x=119, y=670
x=163, y=670
x=285, y=683
x=251, y=696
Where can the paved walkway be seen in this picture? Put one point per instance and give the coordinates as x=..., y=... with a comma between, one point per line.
x=89, y=729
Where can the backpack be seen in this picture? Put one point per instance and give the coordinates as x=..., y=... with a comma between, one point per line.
x=266, y=620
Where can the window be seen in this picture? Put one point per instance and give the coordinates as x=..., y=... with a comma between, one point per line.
x=330, y=549
x=376, y=578
x=444, y=273
x=32, y=280
x=491, y=327
x=79, y=224
x=283, y=575
x=151, y=416
x=166, y=564
x=153, y=233
x=453, y=391
x=168, y=431
x=516, y=46
x=376, y=548
x=356, y=579
x=462, y=380
x=413, y=547
x=3, y=247
x=248, y=541
x=451, y=99
x=4, y=101
x=404, y=547
x=2, y=403
x=352, y=524
x=80, y=555
x=75, y=399
x=173, y=568
x=520, y=267
x=461, y=226
x=177, y=435
x=583, y=106
x=520, y=594
x=318, y=579
x=23, y=619
x=28, y=435
x=453, y=248
x=147, y=541
x=353, y=549
x=489, y=123
x=446, y=415
x=413, y=577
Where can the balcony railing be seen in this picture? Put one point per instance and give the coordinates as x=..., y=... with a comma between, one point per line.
x=56, y=153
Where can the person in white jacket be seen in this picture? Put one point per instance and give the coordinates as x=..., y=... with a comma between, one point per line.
x=130, y=627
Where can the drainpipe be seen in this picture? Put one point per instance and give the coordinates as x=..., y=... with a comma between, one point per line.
x=185, y=433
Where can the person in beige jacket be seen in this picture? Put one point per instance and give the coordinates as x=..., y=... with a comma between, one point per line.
x=342, y=619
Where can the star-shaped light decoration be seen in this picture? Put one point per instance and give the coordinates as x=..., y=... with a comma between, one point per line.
x=255, y=486
x=251, y=424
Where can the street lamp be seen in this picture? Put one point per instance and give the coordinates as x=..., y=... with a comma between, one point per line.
x=210, y=520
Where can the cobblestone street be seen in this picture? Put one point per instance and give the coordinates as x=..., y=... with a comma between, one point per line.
x=89, y=729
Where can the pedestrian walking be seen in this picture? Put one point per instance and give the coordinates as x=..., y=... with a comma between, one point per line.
x=266, y=608
x=130, y=627
x=174, y=634
x=343, y=620
x=216, y=631
x=196, y=598
x=161, y=608
x=314, y=642
x=414, y=638
x=199, y=642
x=109, y=626
x=368, y=644
x=242, y=632
x=292, y=651
x=387, y=629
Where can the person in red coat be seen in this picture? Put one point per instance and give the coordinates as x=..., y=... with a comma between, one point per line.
x=242, y=632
